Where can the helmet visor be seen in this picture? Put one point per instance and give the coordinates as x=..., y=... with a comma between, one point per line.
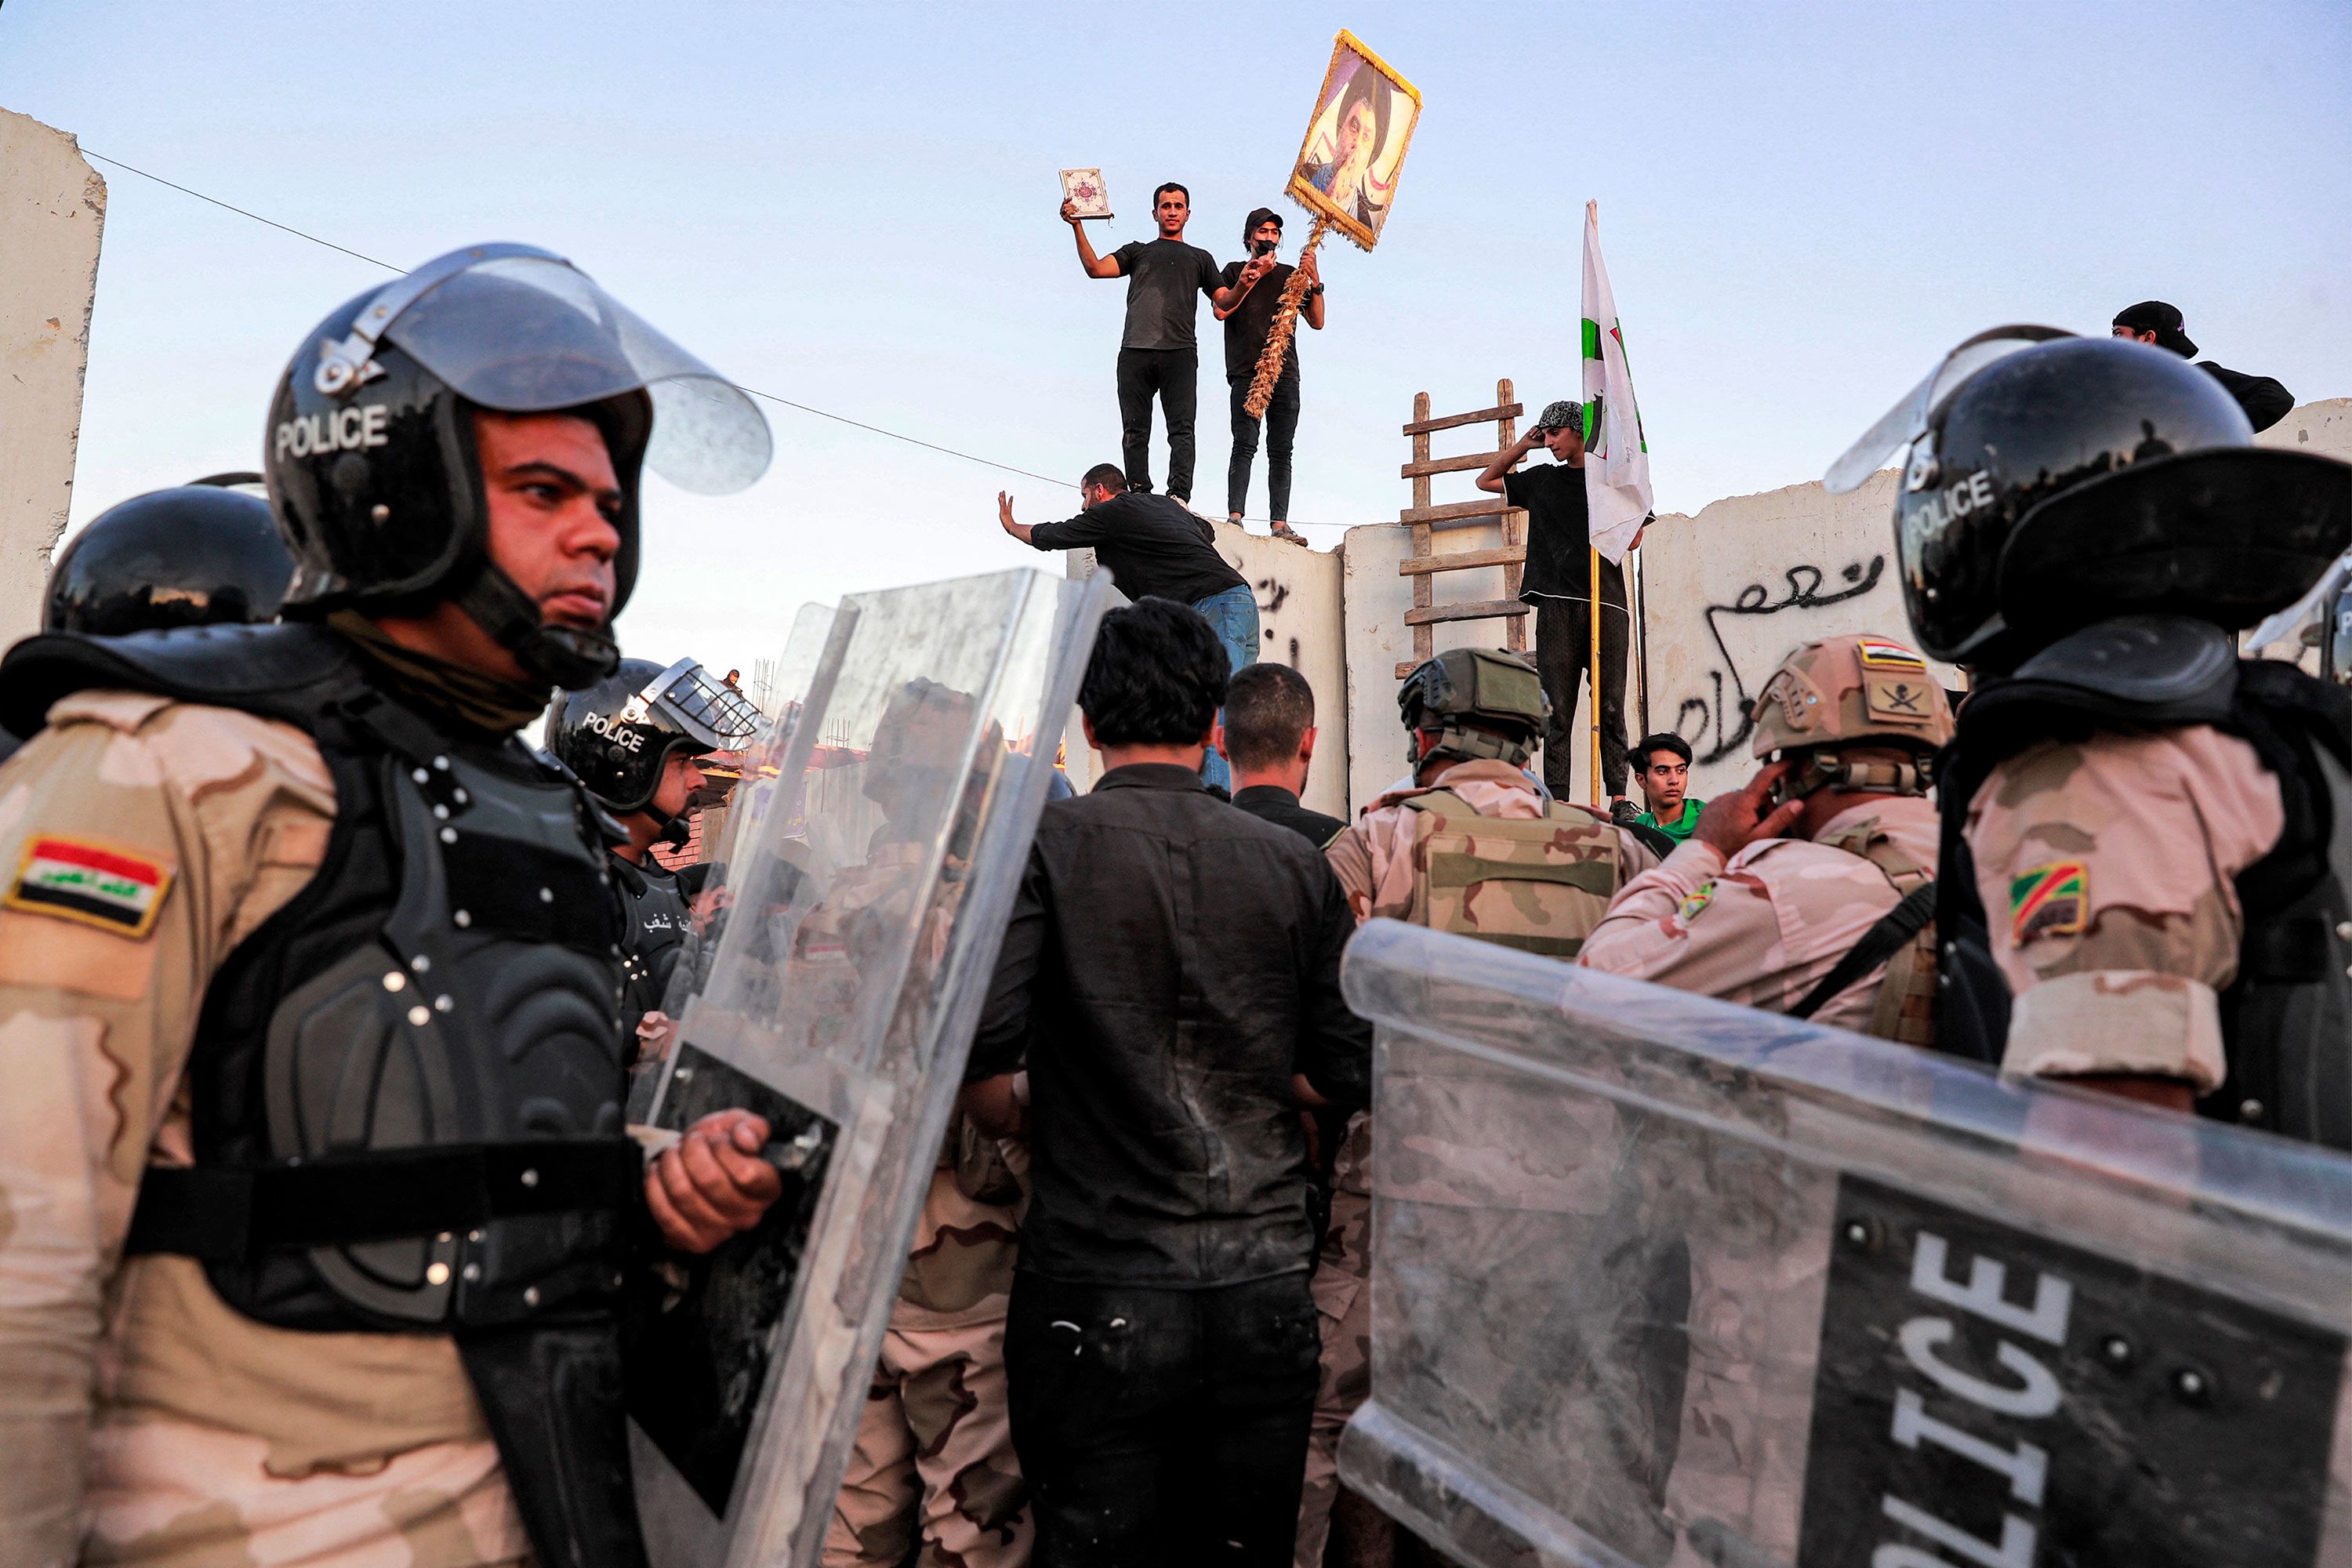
x=2313, y=621
x=713, y=712
x=1907, y=420
x=529, y=334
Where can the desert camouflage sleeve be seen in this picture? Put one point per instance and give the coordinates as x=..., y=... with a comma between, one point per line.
x=2107, y=874
x=142, y=841
x=1688, y=924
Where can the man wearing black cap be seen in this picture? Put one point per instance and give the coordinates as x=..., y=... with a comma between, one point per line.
x=2154, y=322
x=1253, y=290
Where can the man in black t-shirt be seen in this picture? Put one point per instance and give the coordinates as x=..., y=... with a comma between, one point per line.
x=1256, y=286
x=1158, y=354
x=1558, y=583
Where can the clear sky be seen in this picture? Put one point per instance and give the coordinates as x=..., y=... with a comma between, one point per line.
x=853, y=206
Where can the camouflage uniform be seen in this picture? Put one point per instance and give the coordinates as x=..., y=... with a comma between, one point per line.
x=1765, y=927
x=1385, y=862
x=2107, y=871
x=934, y=1452
x=144, y=1420
x=1771, y=924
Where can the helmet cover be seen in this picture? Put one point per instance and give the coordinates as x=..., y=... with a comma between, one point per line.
x=1484, y=703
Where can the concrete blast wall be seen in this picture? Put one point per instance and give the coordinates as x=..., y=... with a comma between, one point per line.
x=1299, y=612
x=52, y=214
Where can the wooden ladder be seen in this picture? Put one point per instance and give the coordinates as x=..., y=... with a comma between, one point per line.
x=1423, y=565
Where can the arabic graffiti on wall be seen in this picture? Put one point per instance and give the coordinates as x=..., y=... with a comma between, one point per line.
x=1718, y=721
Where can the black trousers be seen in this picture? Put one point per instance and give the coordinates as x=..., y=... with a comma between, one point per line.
x=1281, y=425
x=1175, y=376
x=1162, y=1427
x=1564, y=649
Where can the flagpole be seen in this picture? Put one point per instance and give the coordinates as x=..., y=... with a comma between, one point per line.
x=1593, y=620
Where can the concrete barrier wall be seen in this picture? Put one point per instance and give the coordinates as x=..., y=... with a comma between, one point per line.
x=1727, y=594
x=52, y=215
x=1298, y=608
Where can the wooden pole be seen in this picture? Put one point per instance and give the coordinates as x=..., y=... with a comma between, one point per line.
x=1593, y=674
x=1285, y=327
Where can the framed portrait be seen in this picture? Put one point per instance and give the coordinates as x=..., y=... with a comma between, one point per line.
x=1084, y=191
x=1356, y=141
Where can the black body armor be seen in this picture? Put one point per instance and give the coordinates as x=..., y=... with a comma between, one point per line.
x=660, y=922
x=2286, y=1020
x=406, y=1084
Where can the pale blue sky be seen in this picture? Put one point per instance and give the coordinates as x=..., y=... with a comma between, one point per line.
x=853, y=206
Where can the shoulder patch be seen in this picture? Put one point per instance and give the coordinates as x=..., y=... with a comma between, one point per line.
x=2048, y=901
x=1700, y=897
x=81, y=880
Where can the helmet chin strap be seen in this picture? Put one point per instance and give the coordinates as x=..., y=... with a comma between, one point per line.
x=567, y=657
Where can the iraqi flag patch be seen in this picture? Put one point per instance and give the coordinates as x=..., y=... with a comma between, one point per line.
x=76, y=880
x=2048, y=901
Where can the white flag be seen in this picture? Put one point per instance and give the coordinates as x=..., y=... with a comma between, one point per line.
x=1616, y=457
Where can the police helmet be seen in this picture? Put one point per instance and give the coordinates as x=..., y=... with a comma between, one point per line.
x=370, y=448
x=619, y=734
x=2054, y=481
x=1855, y=692
x=193, y=555
x=1482, y=703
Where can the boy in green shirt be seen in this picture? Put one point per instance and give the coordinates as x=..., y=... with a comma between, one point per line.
x=1664, y=762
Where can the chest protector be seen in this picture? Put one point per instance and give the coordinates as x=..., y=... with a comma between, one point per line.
x=2286, y=1020
x=1906, y=996
x=1538, y=884
x=657, y=924
x=406, y=1084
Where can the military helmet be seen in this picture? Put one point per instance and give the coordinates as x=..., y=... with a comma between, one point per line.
x=1850, y=691
x=2052, y=481
x=193, y=555
x=1484, y=702
x=618, y=734
x=370, y=447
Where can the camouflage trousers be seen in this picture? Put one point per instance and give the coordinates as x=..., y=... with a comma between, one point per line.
x=1343, y=1302
x=934, y=1455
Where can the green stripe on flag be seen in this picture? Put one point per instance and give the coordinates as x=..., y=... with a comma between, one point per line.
x=1592, y=340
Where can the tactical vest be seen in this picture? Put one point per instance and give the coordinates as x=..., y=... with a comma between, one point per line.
x=406, y=1084
x=1905, y=1009
x=657, y=924
x=2286, y=1020
x=1520, y=882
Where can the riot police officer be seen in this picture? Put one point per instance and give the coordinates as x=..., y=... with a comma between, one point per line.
x=1811, y=891
x=2146, y=839
x=1472, y=718
x=196, y=554
x=308, y=969
x=632, y=738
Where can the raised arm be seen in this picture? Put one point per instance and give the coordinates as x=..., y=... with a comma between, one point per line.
x=1226, y=301
x=1095, y=265
x=1508, y=458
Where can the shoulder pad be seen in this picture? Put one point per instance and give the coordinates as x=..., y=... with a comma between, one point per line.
x=2139, y=669
x=280, y=671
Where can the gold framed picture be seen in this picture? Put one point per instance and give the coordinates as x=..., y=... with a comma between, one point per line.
x=1356, y=141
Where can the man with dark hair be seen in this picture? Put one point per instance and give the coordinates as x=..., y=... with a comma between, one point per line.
x=1558, y=583
x=1664, y=762
x=1158, y=352
x=1154, y=549
x=1256, y=286
x=1267, y=735
x=1171, y=973
x=2154, y=322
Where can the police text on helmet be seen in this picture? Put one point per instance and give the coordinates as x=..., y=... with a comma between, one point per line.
x=616, y=730
x=1957, y=499
x=345, y=429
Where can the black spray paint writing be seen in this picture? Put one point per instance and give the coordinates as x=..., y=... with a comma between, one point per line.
x=1717, y=713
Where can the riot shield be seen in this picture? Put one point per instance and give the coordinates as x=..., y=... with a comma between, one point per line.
x=869, y=899
x=1661, y=1280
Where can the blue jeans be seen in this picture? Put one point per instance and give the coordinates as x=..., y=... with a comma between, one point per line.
x=1233, y=613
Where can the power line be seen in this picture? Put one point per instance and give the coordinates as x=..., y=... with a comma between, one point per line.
x=754, y=390
x=240, y=211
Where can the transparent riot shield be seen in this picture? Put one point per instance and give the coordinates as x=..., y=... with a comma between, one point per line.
x=1661, y=1280
x=869, y=899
